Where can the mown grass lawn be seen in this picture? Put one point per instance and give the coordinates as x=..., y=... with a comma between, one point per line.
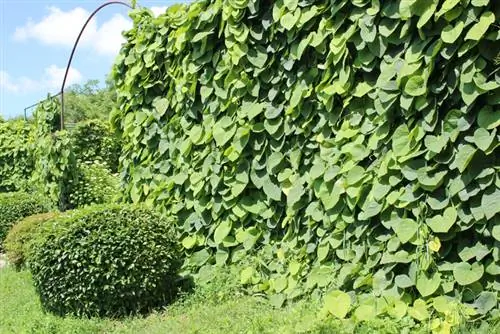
x=207, y=310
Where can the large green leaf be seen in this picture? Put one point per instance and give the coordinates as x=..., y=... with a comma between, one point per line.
x=252, y=109
x=488, y=118
x=419, y=310
x=405, y=229
x=271, y=189
x=415, y=86
x=427, y=285
x=289, y=20
x=485, y=302
x=451, y=33
x=443, y=223
x=490, y=202
x=338, y=303
x=222, y=231
x=401, y=140
x=479, y=29
x=463, y=157
x=466, y=273
x=365, y=312
x=483, y=139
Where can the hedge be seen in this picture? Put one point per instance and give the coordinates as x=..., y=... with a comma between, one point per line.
x=352, y=145
x=18, y=205
x=18, y=240
x=105, y=261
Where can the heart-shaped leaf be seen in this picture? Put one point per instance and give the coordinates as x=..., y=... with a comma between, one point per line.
x=485, y=302
x=466, y=273
x=451, y=33
x=338, y=303
x=427, y=285
x=442, y=224
x=405, y=229
x=483, y=139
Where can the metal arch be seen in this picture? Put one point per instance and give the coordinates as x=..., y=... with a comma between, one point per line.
x=74, y=48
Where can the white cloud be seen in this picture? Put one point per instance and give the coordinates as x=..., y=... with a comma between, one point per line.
x=51, y=81
x=108, y=38
x=54, y=76
x=7, y=84
x=62, y=28
x=158, y=10
x=57, y=28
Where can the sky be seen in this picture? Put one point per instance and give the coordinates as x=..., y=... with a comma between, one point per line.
x=36, y=38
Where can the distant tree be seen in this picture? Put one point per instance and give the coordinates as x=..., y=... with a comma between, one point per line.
x=88, y=101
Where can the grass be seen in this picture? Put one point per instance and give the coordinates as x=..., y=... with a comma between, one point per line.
x=215, y=308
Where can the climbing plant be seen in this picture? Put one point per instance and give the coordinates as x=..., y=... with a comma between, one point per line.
x=55, y=161
x=16, y=163
x=348, y=146
x=69, y=164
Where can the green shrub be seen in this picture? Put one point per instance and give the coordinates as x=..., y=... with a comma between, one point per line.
x=18, y=239
x=106, y=261
x=93, y=140
x=61, y=158
x=18, y=205
x=95, y=184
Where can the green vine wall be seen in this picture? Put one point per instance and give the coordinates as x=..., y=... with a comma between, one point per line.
x=348, y=146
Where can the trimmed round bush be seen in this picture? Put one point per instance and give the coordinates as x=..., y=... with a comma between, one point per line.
x=105, y=261
x=17, y=205
x=18, y=239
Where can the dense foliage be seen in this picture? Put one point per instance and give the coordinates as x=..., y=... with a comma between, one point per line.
x=20, y=236
x=95, y=185
x=16, y=163
x=351, y=144
x=105, y=260
x=17, y=205
x=63, y=159
x=93, y=140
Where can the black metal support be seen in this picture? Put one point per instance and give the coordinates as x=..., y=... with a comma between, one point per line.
x=35, y=104
x=74, y=48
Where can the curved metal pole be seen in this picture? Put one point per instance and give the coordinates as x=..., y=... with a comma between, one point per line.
x=74, y=48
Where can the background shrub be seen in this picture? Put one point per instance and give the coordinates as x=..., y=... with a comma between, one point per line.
x=95, y=184
x=17, y=205
x=93, y=140
x=106, y=261
x=17, y=241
